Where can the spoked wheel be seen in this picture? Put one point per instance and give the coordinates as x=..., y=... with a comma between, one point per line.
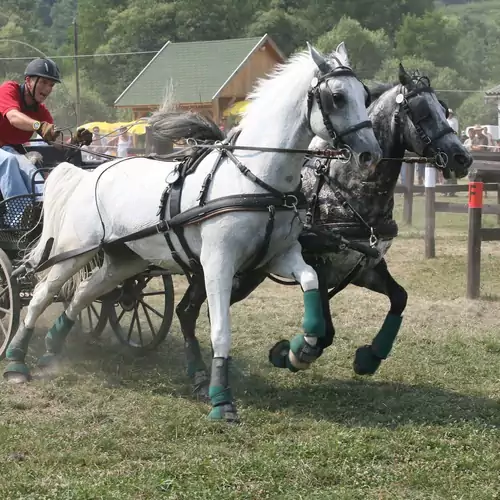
x=142, y=316
x=10, y=303
x=92, y=320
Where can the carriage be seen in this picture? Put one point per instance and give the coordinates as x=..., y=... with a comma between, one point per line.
x=139, y=312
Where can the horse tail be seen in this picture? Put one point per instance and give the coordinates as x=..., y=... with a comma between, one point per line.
x=59, y=186
x=175, y=125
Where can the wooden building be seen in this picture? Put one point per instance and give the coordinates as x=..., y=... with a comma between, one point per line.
x=207, y=77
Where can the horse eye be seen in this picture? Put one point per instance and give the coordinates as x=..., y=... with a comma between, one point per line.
x=338, y=100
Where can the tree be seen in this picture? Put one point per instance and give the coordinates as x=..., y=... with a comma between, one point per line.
x=385, y=14
x=443, y=80
x=287, y=29
x=62, y=104
x=475, y=109
x=367, y=49
x=432, y=36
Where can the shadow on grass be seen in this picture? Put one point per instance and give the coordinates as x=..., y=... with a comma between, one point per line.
x=356, y=402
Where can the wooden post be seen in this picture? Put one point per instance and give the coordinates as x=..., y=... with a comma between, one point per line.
x=474, y=241
x=430, y=212
x=149, y=141
x=409, y=177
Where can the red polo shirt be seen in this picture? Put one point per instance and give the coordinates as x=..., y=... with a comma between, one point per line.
x=10, y=98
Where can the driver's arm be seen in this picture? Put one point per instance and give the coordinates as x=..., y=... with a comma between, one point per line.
x=20, y=120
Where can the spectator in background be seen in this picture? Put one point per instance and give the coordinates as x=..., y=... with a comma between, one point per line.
x=491, y=142
x=99, y=143
x=124, y=142
x=471, y=134
x=479, y=141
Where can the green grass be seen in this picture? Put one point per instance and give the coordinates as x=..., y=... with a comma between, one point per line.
x=111, y=426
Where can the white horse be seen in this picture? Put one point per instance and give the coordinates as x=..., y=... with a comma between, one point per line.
x=307, y=96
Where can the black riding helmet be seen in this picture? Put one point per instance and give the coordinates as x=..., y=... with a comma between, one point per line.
x=44, y=68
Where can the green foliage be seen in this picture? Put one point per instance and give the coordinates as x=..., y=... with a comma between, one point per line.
x=475, y=109
x=457, y=45
x=62, y=104
x=288, y=30
x=430, y=37
x=367, y=49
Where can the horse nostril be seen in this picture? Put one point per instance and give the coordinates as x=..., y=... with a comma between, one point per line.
x=365, y=158
x=463, y=160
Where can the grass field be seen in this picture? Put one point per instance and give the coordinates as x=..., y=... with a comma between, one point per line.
x=426, y=426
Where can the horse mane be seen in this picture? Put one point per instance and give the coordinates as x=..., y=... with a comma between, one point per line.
x=380, y=88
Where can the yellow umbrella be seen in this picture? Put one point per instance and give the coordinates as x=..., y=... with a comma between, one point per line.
x=135, y=127
x=237, y=108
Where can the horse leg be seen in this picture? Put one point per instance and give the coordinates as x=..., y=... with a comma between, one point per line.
x=304, y=348
x=43, y=296
x=327, y=340
x=188, y=311
x=379, y=279
x=112, y=272
x=218, y=269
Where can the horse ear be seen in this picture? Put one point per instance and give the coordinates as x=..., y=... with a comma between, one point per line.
x=342, y=52
x=318, y=59
x=404, y=77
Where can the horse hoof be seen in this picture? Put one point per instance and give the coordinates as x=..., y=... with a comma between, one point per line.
x=17, y=373
x=365, y=362
x=278, y=354
x=48, y=360
x=224, y=413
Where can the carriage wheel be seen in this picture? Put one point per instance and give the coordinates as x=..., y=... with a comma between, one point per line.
x=10, y=303
x=142, y=316
x=92, y=320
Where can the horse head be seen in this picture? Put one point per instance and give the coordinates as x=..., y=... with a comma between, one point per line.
x=336, y=107
x=421, y=120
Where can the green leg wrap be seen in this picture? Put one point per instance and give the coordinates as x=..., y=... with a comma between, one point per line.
x=314, y=323
x=303, y=352
x=193, y=356
x=220, y=392
x=19, y=345
x=16, y=354
x=368, y=357
x=382, y=343
x=56, y=336
x=54, y=340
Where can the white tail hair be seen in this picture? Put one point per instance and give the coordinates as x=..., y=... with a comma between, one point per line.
x=59, y=186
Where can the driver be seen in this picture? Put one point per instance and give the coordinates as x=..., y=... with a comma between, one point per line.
x=22, y=112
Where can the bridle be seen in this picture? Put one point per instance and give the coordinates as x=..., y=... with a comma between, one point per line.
x=320, y=92
x=417, y=117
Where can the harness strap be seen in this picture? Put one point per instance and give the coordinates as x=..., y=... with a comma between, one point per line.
x=208, y=179
x=347, y=278
x=250, y=175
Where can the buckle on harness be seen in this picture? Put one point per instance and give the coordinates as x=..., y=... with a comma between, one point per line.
x=172, y=176
x=290, y=201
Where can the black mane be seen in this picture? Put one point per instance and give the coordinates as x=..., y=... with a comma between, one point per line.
x=380, y=88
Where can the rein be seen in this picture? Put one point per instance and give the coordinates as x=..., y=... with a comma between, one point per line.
x=343, y=154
